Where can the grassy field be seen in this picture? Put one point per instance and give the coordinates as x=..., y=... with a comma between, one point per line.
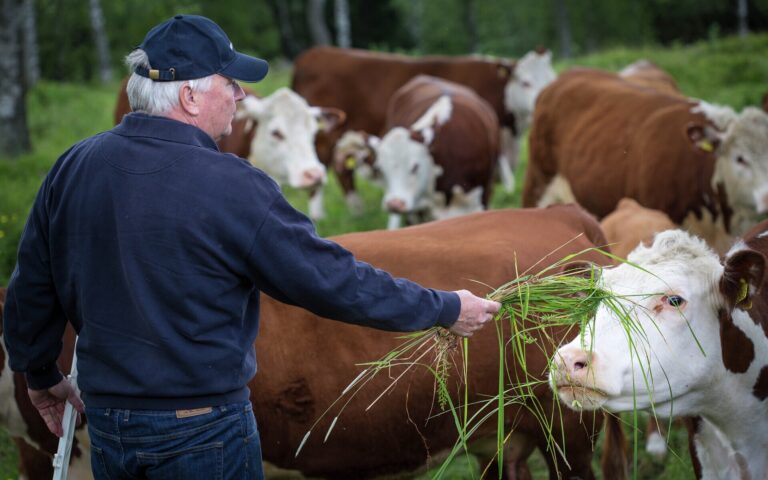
x=730, y=71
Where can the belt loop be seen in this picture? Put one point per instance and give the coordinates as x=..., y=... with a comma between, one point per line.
x=127, y=416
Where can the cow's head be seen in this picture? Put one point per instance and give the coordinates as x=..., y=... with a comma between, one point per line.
x=407, y=167
x=691, y=332
x=531, y=74
x=283, y=145
x=742, y=165
x=354, y=152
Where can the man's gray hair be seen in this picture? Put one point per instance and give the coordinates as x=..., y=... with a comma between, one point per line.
x=156, y=98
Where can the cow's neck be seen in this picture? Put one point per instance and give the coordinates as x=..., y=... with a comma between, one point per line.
x=736, y=419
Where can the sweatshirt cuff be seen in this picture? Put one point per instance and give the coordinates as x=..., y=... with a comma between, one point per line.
x=43, y=378
x=451, y=309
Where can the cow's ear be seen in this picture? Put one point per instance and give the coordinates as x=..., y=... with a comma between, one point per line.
x=703, y=137
x=250, y=107
x=329, y=118
x=743, y=277
x=417, y=136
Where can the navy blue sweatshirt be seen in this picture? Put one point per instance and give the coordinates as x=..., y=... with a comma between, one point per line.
x=155, y=246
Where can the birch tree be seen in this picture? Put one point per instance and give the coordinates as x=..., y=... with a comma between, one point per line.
x=100, y=38
x=343, y=31
x=742, y=14
x=316, y=22
x=564, y=27
x=29, y=48
x=14, y=135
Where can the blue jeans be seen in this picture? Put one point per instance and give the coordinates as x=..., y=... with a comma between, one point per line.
x=212, y=443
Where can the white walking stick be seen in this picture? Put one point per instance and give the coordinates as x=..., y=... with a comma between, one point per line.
x=61, y=459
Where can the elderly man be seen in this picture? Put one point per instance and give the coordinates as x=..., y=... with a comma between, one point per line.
x=155, y=246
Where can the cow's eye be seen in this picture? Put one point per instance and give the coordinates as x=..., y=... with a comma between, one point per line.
x=673, y=300
x=742, y=161
x=415, y=169
x=526, y=84
x=278, y=135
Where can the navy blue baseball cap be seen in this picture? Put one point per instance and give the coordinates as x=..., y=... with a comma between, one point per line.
x=187, y=47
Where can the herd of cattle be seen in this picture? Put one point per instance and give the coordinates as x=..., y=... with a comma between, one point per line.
x=436, y=134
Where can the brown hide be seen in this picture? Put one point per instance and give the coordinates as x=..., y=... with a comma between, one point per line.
x=647, y=74
x=466, y=146
x=305, y=362
x=631, y=224
x=361, y=82
x=238, y=142
x=611, y=139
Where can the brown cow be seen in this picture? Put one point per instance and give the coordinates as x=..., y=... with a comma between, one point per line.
x=473, y=252
x=647, y=74
x=439, y=152
x=632, y=224
x=361, y=83
x=306, y=362
x=597, y=138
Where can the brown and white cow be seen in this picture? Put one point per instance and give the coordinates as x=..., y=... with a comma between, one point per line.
x=361, y=83
x=439, y=151
x=305, y=362
x=647, y=74
x=700, y=348
x=276, y=133
x=597, y=138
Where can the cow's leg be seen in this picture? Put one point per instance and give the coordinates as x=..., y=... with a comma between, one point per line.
x=516, y=457
x=316, y=211
x=508, y=156
x=355, y=203
x=395, y=220
x=655, y=443
x=33, y=463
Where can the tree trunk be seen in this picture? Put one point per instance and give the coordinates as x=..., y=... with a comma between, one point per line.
x=14, y=135
x=470, y=16
x=742, y=14
x=564, y=27
x=316, y=21
x=343, y=35
x=102, y=45
x=282, y=16
x=30, y=52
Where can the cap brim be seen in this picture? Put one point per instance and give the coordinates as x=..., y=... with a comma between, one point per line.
x=246, y=68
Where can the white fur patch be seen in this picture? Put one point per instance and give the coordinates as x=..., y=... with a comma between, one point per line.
x=438, y=114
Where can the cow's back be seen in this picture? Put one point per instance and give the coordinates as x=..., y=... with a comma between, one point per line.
x=611, y=139
x=361, y=82
x=305, y=362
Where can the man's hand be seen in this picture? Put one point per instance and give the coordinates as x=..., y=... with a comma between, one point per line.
x=50, y=404
x=475, y=312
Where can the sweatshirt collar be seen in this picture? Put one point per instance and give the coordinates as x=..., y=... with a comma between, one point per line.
x=163, y=128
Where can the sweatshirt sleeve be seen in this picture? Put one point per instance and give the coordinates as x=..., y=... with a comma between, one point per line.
x=293, y=264
x=33, y=319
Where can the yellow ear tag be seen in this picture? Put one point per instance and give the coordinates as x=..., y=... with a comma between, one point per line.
x=706, y=145
x=350, y=164
x=321, y=124
x=743, y=291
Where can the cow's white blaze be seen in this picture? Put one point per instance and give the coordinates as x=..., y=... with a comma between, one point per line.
x=532, y=73
x=283, y=145
x=742, y=167
x=677, y=364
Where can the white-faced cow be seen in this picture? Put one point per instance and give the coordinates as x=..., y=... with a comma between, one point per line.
x=361, y=83
x=276, y=134
x=703, y=350
x=305, y=362
x=439, y=151
x=597, y=138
